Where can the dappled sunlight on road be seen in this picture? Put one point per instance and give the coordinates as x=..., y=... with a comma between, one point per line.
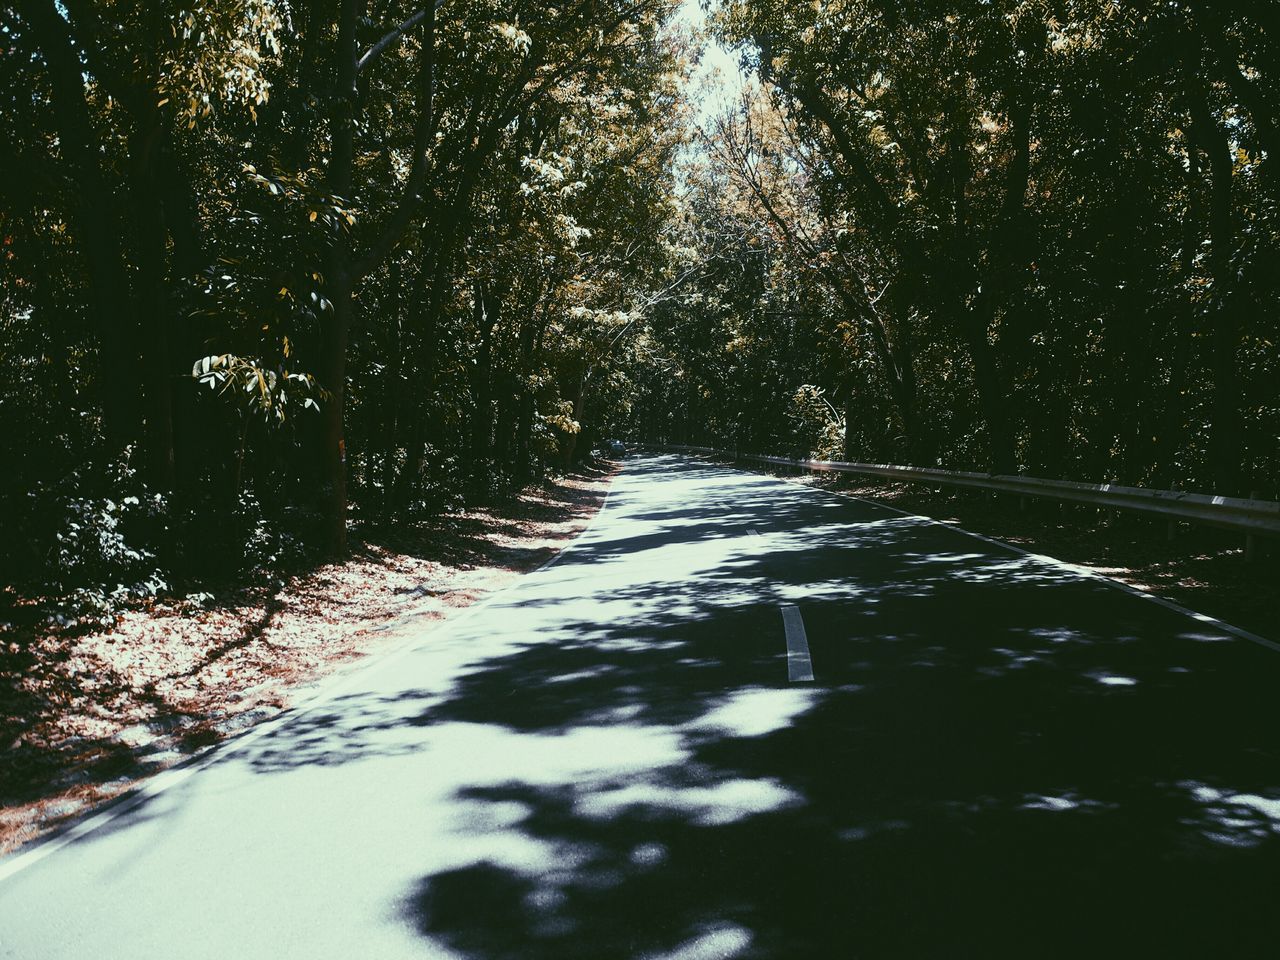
x=1233, y=819
x=624, y=765
x=608, y=760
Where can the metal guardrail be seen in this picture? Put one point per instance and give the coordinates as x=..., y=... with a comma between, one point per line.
x=1233, y=513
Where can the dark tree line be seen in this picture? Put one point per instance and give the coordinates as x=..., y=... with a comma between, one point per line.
x=1015, y=235
x=272, y=264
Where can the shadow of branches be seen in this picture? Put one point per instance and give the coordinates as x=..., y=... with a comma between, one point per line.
x=999, y=758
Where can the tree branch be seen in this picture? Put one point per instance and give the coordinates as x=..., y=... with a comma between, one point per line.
x=409, y=201
x=373, y=52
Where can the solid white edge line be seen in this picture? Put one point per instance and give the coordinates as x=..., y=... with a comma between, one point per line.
x=799, y=663
x=1085, y=572
x=328, y=689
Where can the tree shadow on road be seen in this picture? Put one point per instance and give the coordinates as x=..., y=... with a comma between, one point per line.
x=999, y=758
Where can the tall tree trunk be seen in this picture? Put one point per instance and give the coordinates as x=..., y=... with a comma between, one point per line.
x=1007, y=253
x=333, y=375
x=1182, y=324
x=392, y=398
x=188, y=257
x=530, y=344
x=579, y=409
x=1226, y=427
x=340, y=289
x=847, y=452
x=993, y=402
x=153, y=294
x=415, y=446
x=481, y=432
x=504, y=429
x=418, y=429
x=524, y=434
x=110, y=301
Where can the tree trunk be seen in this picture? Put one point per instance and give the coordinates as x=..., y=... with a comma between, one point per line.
x=333, y=376
x=415, y=450
x=340, y=289
x=579, y=407
x=153, y=295
x=1226, y=427
x=110, y=301
x=503, y=434
x=531, y=331
x=524, y=433
x=392, y=397
x=994, y=405
x=481, y=432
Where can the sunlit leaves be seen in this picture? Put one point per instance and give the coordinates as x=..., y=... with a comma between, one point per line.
x=254, y=389
x=219, y=52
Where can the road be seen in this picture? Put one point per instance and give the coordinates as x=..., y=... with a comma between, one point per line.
x=995, y=757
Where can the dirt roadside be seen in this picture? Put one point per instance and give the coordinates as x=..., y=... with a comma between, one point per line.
x=84, y=717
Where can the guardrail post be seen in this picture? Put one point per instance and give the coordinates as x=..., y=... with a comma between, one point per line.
x=1171, y=528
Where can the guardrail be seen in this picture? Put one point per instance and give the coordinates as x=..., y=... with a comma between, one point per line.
x=1249, y=516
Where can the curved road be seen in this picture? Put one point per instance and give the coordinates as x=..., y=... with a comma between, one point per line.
x=995, y=757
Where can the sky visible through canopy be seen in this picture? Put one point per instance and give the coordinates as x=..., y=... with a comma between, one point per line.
x=718, y=81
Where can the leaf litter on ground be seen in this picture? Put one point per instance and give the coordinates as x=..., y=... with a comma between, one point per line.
x=87, y=713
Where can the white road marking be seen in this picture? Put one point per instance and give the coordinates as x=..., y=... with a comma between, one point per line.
x=799, y=666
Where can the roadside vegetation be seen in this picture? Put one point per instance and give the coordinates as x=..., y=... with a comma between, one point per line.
x=275, y=272
x=304, y=309
x=86, y=714
x=1004, y=236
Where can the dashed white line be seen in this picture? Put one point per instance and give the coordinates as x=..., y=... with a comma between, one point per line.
x=799, y=665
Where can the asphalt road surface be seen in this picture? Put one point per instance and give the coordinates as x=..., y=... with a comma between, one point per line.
x=995, y=757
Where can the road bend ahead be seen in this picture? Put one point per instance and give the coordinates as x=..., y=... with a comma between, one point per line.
x=995, y=757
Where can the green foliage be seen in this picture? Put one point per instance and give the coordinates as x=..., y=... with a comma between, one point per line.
x=1016, y=234
x=291, y=256
x=300, y=260
x=256, y=390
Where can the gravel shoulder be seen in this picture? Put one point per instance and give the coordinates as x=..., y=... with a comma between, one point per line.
x=85, y=716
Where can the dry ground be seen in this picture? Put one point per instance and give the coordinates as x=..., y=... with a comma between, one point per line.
x=84, y=717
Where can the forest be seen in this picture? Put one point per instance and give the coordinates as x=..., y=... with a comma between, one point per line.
x=274, y=271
